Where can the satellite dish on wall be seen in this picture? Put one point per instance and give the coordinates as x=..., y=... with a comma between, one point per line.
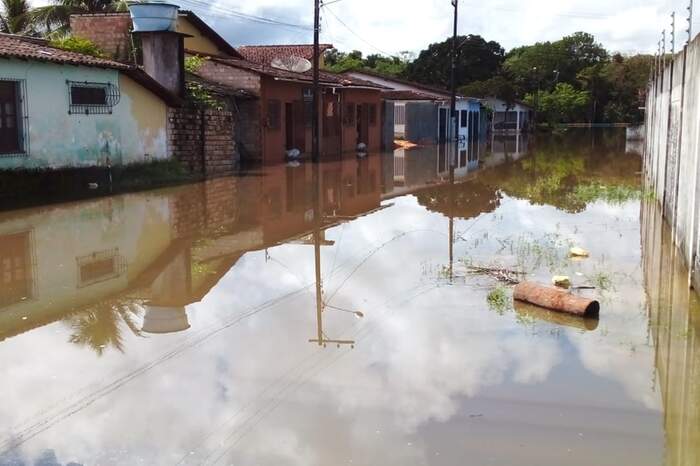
x=292, y=63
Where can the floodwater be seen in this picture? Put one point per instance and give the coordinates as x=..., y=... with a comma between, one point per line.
x=301, y=316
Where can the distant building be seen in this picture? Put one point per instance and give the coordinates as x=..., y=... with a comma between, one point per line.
x=59, y=108
x=266, y=54
x=509, y=118
x=274, y=117
x=421, y=112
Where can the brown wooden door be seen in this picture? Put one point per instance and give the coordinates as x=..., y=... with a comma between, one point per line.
x=15, y=269
x=363, y=124
x=288, y=126
x=299, y=126
x=331, y=124
x=9, y=131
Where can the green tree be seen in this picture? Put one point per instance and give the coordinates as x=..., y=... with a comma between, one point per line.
x=544, y=64
x=498, y=86
x=477, y=60
x=564, y=104
x=55, y=17
x=14, y=17
x=340, y=62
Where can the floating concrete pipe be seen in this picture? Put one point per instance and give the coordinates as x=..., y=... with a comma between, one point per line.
x=153, y=16
x=160, y=319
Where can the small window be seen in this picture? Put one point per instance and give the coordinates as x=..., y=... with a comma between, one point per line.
x=463, y=118
x=349, y=115
x=92, y=98
x=99, y=267
x=274, y=114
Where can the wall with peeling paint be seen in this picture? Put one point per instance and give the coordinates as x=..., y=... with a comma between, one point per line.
x=135, y=131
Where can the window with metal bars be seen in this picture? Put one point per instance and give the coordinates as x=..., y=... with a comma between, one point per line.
x=88, y=98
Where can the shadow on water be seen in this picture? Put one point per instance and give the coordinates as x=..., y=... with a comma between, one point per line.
x=143, y=279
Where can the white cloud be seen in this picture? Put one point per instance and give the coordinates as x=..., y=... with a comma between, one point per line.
x=395, y=25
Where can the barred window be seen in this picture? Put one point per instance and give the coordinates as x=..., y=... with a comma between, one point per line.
x=88, y=98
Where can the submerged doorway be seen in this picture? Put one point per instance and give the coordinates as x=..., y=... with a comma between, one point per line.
x=363, y=124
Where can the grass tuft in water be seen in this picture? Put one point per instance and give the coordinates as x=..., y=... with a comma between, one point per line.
x=612, y=194
x=499, y=300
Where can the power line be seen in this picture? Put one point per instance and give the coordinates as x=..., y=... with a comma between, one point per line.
x=230, y=13
x=357, y=35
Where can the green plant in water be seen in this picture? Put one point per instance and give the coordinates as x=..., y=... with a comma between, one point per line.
x=601, y=280
x=78, y=45
x=499, y=300
x=612, y=194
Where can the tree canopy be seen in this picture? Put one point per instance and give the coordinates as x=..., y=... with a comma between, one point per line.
x=14, y=17
x=477, y=60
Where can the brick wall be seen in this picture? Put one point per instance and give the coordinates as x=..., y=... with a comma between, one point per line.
x=230, y=76
x=203, y=140
x=110, y=32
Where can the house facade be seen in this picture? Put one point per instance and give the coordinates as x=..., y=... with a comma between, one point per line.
x=275, y=116
x=62, y=109
x=508, y=118
x=422, y=113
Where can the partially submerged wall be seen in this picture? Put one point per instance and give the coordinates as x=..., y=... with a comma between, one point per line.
x=203, y=140
x=672, y=150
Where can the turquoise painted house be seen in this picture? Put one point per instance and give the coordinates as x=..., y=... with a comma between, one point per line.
x=59, y=109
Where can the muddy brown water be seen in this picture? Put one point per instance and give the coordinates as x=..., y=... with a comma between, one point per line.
x=301, y=316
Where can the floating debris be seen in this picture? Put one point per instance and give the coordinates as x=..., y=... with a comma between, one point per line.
x=555, y=299
x=562, y=281
x=501, y=274
x=578, y=252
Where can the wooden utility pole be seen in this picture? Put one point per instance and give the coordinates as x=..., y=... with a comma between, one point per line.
x=315, y=149
x=453, y=80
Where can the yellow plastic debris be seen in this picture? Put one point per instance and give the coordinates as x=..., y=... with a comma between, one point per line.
x=562, y=281
x=578, y=252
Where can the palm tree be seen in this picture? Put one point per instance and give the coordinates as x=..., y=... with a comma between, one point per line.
x=56, y=16
x=100, y=326
x=15, y=16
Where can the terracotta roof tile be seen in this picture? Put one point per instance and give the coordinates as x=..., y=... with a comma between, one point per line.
x=28, y=48
x=12, y=46
x=408, y=95
x=325, y=78
x=264, y=54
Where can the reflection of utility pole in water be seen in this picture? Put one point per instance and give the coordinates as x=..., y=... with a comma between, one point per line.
x=321, y=339
x=452, y=221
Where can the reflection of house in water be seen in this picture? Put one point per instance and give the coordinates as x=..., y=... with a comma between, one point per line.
x=152, y=254
x=506, y=148
x=674, y=319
